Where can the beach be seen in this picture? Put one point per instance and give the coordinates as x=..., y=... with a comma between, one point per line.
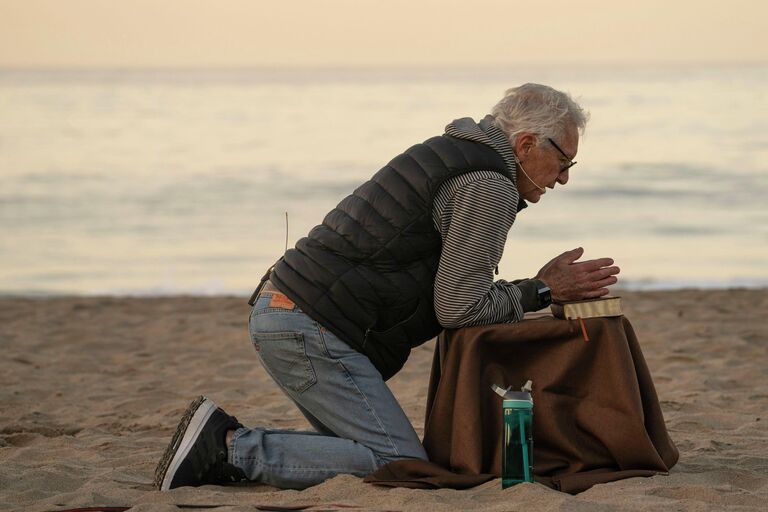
x=93, y=387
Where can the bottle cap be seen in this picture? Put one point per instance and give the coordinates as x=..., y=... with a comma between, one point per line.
x=520, y=398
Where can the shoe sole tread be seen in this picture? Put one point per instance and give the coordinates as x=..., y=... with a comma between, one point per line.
x=194, y=418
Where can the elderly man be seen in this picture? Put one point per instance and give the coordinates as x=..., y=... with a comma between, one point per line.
x=408, y=253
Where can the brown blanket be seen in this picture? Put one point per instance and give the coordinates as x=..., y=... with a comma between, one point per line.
x=596, y=414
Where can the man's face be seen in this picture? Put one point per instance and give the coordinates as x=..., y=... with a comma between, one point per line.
x=544, y=164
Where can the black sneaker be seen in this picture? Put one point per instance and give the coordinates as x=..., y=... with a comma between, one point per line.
x=197, y=454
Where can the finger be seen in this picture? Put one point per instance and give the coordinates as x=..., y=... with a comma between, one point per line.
x=608, y=281
x=602, y=273
x=592, y=265
x=596, y=293
x=572, y=255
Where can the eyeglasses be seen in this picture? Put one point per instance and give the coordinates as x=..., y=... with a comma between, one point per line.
x=570, y=163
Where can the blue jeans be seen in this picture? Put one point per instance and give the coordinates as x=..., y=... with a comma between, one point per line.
x=358, y=424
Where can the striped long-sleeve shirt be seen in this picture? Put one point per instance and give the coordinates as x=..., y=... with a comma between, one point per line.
x=473, y=213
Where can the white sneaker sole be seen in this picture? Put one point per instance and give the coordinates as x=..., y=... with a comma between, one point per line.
x=186, y=434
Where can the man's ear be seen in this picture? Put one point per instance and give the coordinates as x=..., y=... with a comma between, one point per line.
x=523, y=145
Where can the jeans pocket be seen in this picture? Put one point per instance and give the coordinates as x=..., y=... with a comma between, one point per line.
x=284, y=356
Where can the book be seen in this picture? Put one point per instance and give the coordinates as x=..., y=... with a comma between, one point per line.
x=590, y=308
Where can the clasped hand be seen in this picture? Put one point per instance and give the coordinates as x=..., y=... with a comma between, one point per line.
x=571, y=280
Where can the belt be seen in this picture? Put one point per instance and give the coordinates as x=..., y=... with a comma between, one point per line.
x=264, y=286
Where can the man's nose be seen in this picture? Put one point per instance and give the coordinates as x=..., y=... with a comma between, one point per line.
x=562, y=178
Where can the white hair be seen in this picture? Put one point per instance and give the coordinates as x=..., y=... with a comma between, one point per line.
x=540, y=110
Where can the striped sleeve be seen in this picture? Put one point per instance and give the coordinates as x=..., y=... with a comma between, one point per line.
x=473, y=213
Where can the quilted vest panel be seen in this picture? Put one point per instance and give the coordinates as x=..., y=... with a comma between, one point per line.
x=367, y=273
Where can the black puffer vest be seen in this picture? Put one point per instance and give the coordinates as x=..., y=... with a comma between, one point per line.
x=367, y=273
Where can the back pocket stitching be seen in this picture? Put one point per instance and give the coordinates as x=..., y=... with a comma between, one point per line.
x=310, y=378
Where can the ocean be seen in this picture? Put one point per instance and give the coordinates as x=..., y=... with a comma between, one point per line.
x=157, y=182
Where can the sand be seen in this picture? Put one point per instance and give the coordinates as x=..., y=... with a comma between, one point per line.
x=92, y=388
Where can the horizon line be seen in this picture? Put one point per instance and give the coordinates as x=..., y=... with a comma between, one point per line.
x=388, y=67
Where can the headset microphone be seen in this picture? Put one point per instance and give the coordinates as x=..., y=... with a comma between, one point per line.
x=529, y=178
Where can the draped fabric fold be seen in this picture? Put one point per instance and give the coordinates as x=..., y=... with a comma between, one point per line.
x=597, y=417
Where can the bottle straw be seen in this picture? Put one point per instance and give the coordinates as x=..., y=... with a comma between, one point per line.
x=526, y=471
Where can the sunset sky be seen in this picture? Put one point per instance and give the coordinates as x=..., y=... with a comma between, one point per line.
x=235, y=33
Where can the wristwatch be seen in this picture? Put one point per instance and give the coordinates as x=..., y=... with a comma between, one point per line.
x=544, y=295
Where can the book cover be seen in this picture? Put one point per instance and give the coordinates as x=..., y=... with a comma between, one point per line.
x=590, y=308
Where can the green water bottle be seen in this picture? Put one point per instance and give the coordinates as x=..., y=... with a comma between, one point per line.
x=517, y=446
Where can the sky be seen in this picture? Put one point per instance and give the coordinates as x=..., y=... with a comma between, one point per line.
x=371, y=33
